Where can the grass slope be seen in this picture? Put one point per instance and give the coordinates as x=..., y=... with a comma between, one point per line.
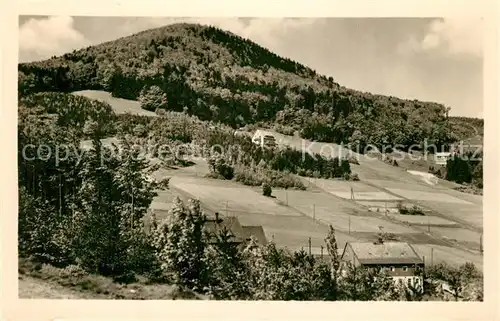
x=119, y=105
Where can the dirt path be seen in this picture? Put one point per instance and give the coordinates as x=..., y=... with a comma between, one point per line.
x=32, y=288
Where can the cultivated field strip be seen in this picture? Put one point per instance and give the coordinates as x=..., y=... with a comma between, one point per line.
x=119, y=105
x=235, y=199
x=424, y=220
x=427, y=196
x=342, y=215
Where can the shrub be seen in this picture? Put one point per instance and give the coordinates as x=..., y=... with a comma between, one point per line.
x=266, y=189
x=274, y=178
x=220, y=168
x=353, y=177
x=414, y=210
x=353, y=160
x=458, y=170
x=248, y=177
x=152, y=98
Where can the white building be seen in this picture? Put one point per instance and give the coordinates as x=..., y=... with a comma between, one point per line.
x=442, y=158
x=264, y=138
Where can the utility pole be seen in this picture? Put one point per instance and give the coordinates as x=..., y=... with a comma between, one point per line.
x=309, y=246
x=432, y=256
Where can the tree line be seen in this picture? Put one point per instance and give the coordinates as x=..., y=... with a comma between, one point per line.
x=221, y=77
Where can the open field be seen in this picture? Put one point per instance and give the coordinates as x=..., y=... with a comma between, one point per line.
x=283, y=224
x=468, y=238
x=388, y=184
x=423, y=220
x=435, y=254
x=360, y=190
x=380, y=196
x=230, y=196
x=427, y=196
x=469, y=214
x=337, y=185
x=119, y=105
x=341, y=214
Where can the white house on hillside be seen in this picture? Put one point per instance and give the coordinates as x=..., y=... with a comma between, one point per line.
x=264, y=138
x=442, y=158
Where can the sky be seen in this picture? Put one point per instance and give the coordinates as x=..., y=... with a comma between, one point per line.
x=427, y=59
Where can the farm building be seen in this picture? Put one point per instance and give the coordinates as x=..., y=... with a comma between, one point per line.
x=398, y=259
x=264, y=138
x=442, y=158
x=239, y=233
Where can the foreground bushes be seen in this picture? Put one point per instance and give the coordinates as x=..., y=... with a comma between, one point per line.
x=186, y=255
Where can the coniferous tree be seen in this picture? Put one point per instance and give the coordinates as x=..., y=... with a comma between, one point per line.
x=179, y=244
x=99, y=243
x=226, y=269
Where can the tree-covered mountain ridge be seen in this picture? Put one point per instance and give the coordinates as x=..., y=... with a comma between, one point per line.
x=219, y=76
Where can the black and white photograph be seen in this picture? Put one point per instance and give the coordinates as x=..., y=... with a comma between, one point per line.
x=250, y=158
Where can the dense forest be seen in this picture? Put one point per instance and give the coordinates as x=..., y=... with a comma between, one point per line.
x=218, y=76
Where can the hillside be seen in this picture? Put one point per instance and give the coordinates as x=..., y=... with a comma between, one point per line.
x=222, y=77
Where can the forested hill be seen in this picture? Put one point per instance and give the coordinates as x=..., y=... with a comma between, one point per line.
x=219, y=76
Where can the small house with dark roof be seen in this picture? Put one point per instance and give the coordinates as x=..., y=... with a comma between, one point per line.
x=398, y=259
x=239, y=234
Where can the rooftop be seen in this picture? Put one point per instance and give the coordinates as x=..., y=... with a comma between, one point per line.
x=240, y=233
x=257, y=232
x=385, y=253
x=230, y=223
x=264, y=132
